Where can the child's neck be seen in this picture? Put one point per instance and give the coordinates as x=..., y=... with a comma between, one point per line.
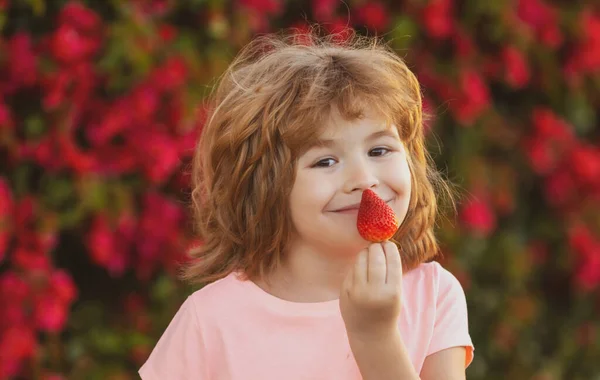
x=308, y=275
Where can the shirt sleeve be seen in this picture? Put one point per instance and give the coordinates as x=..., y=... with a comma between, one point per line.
x=180, y=352
x=451, y=327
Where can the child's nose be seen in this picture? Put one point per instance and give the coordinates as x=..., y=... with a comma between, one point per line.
x=359, y=177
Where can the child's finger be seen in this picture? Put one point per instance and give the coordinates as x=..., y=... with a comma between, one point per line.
x=360, y=268
x=377, y=266
x=394, y=263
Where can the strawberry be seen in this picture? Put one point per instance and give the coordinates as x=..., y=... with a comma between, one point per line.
x=376, y=220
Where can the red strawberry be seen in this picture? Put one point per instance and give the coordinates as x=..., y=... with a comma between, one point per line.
x=376, y=220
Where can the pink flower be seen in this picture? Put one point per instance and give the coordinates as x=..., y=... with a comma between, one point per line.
x=477, y=216
x=438, y=19
x=517, y=69
x=373, y=15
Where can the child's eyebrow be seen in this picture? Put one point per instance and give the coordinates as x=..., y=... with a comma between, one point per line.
x=328, y=143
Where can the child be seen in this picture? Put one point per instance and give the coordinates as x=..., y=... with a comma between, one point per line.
x=299, y=129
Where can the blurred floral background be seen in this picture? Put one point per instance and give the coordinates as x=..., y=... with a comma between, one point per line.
x=101, y=104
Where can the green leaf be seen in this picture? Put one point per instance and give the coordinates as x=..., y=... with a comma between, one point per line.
x=405, y=31
x=34, y=127
x=580, y=114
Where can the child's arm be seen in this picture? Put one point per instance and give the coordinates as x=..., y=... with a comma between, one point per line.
x=446, y=364
x=382, y=357
x=370, y=306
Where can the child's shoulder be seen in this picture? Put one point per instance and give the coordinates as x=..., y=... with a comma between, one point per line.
x=220, y=296
x=435, y=275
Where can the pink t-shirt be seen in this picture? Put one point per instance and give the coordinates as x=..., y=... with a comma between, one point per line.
x=233, y=330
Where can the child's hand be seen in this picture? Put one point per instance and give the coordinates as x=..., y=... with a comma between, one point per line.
x=370, y=300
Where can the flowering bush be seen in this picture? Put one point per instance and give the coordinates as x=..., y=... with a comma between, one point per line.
x=100, y=107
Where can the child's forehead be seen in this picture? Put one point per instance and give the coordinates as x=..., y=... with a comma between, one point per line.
x=337, y=126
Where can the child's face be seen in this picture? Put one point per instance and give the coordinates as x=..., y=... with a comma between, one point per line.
x=330, y=180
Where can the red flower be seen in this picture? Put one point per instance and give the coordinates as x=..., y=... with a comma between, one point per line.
x=158, y=154
x=588, y=274
x=473, y=98
x=69, y=45
x=542, y=19
x=517, y=70
x=13, y=289
x=167, y=32
x=109, y=245
x=581, y=239
x=560, y=188
x=77, y=15
x=6, y=216
x=340, y=30
x=63, y=287
x=80, y=162
x=144, y=102
x=50, y=313
x=263, y=7
x=549, y=126
x=6, y=118
x=101, y=241
x=324, y=10
x=586, y=55
x=541, y=158
x=437, y=18
x=171, y=75
x=464, y=45
x=22, y=62
x=159, y=229
x=16, y=343
x=373, y=15
x=478, y=217
x=585, y=164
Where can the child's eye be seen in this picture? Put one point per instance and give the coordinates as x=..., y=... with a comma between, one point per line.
x=324, y=163
x=377, y=152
